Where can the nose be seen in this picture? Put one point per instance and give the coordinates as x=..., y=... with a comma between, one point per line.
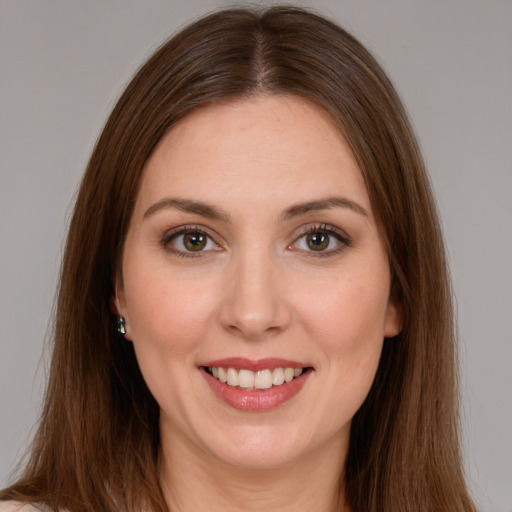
x=254, y=304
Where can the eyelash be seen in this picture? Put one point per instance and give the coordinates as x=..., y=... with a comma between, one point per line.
x=181, y=231
x=325, y=229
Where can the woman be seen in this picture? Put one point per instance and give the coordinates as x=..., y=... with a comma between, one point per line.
x=247, y=294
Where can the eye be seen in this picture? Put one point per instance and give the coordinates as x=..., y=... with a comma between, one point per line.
x=321, y=239
x=186, y=241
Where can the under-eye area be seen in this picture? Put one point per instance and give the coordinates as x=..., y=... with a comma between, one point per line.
x=255, y=380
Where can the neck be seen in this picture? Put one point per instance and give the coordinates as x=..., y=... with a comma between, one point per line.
x=191, y=478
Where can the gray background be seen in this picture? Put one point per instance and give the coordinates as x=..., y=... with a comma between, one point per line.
x=63, y=63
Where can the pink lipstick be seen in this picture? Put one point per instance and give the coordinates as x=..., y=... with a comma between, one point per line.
x=255, y=385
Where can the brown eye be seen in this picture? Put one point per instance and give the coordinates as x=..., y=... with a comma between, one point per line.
x=324, y=240
x=317, y=241
x=195, y=241
x=188, y=241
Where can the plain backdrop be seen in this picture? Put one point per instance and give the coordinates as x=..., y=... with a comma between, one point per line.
x=64, y=62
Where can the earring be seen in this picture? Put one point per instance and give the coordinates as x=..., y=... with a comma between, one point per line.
x=121, y=327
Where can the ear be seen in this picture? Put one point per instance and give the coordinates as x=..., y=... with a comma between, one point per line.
x=118, y=304
x=394, y=318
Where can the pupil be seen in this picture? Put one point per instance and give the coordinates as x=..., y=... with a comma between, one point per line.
x=318, y=241
x=194, y=241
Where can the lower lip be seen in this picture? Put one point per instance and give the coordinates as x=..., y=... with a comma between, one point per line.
x=248, y=400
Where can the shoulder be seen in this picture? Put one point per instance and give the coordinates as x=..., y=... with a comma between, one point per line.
x=16, y=506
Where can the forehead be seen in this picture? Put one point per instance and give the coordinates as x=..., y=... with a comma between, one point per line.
x=269, y=149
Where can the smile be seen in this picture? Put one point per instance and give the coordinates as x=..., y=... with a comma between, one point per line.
x=250, y=385
x=248, y=379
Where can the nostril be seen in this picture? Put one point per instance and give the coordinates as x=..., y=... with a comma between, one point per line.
x=253, y=330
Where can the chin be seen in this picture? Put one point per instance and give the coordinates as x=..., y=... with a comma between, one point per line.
x=252, y=447
x=262, y=448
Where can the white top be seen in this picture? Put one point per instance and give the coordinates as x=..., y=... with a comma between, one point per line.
x=16, y=506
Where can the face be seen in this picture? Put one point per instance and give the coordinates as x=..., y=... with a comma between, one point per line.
x=255, y=285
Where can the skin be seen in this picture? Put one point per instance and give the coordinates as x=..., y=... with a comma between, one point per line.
x=256, y=290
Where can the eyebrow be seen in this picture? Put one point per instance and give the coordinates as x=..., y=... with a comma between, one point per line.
x=215, y=213
x=322, y=204
x=188, y=206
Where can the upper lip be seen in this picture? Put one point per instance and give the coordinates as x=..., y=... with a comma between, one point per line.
x=254, y=365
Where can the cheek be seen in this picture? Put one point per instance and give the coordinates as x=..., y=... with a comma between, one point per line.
x=167, y=311
x=350, y=316
x=344, y=319
x=348, y=326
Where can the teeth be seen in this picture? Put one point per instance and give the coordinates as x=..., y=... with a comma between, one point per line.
x=222, y=375
x=262, y=379
x=233, y=379
x=288, y=374
x=246, y=379
x=277, y=376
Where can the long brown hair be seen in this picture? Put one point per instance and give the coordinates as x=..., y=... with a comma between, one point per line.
x=97, y=446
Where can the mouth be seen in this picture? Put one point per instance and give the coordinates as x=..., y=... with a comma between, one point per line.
x=246, y=379
x=255, y=385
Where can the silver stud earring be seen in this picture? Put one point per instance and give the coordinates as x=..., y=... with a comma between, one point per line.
x=121, y=327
